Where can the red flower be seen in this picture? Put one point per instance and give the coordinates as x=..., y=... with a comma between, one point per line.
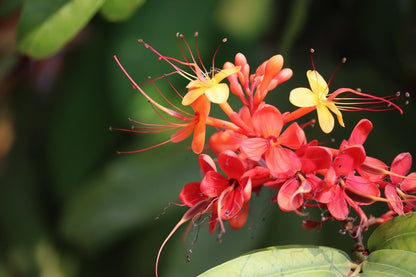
x=400, y=184
x=231, y=192
x=268, y=123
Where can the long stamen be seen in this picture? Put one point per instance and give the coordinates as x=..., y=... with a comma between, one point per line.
x=198, y=53
x=179, y=70
x=224, y=40
x=344, y=60
x=194, y=66
x=166, y=110
x=382, y=99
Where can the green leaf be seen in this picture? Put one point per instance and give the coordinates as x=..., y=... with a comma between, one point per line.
x=390, y=262
x=117, y=10
x=45, y=26
x=284, y=261
x=397, y=233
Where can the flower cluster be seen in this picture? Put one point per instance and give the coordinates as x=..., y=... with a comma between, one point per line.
x=261, y=146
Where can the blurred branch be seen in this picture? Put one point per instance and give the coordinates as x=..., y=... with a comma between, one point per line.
x=294, y=25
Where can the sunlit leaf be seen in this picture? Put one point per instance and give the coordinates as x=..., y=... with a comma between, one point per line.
x=397, y=233
x=117, y=10
x=45, y=26
x=390, y=262
x=277, y=261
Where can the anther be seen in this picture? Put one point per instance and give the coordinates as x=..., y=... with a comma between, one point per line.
x=312, y=50
x=110, y=128
x=398, y=93
x=344, y=60
x=407, y=94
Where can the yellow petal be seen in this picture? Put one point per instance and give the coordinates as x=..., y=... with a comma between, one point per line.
x=325, y=118
x=303, y=97
x=195, y=84
x=336, y=111
x=218, y=93
x=225, y=73
x=317, y=82
x=192, y=95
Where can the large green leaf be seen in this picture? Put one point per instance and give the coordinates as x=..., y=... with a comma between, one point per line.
x=117, y=10
x=390, y=262
x=397, y=233
x=285, y=261
x=45, y=26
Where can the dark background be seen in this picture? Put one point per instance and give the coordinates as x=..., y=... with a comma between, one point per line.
x=70, y=206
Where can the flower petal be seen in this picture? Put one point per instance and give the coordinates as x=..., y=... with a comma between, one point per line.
x=268, y=121
x=317, y=83
x=408, y=185
x=303, y=97
x=231, y=165
x=325, y=118
x=218, y=77
x=279, y=159
x=191, y=194
x=206, y=163
x=217, y=93
x=288, y=199
x=338, y=206
x=293, y=136
x=395, y=203
x=240, y=218
x=360, y=132
x=192, y=95
x=336, y=111
x=254, y=147
x=400, y=165
x=213, y=184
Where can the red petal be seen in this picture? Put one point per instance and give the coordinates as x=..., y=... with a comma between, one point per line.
x=231, y=164
x=225, y=140
x=361, y=190
x=375, y=173
x=288, y=198
x=231, y=203
x=254, y=147
x=213, y=220
x=239, y=219
x=213, y=184
x=206, y=163
x=349, y=159
x=360, y=132
x=293, y=137
x=198, y=140
x=338, y=206
x=183, y=133
x=395, y=203
x=191, y=194
x=316, y=158
x=268, y=121
x=400, y=165
x=408, y=185
x=281, y=160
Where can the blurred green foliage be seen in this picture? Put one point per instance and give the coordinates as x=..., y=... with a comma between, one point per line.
x=70, y=206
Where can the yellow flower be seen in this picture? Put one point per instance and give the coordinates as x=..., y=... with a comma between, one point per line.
x=317, y=97
x=213, y=89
